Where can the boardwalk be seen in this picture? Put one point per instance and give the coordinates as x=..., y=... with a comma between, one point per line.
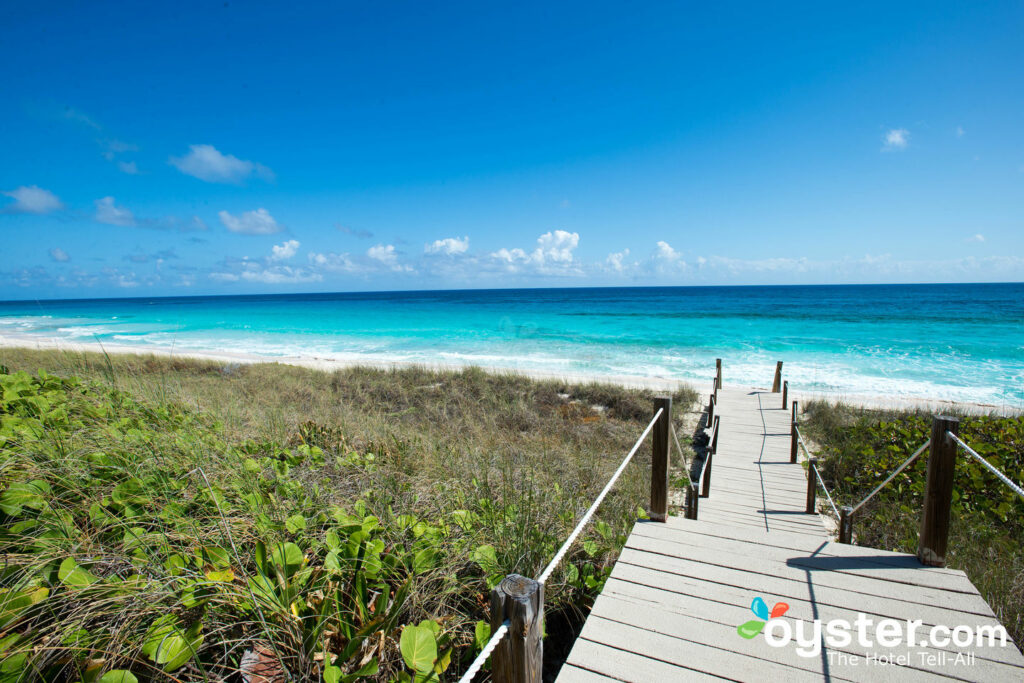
x=670, y=609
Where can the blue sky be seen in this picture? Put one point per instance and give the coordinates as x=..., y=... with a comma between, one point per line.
x=197, y=148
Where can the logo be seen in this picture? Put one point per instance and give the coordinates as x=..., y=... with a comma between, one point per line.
x=760, y=609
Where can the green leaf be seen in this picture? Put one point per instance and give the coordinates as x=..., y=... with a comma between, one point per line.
x=419, y=649
x=481, y=634
x=13, y=603
x=424, y=560
x=118, y=676
x=365, y=671
x=287, y=559
x=167, y=645
x=70, y=574
x=20, y=495
x=332, y=674
x=295, y=524
x=750, y=629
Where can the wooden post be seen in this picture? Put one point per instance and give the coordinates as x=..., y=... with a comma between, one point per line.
x=711, y=409
x=659, y=460
x=705, y=480
x=846, y=524
x=718, y=374
x=777, y=382
x=519, y=656
x=785, y=394
x=692, y=496
x=812, y=486
x=714, y=439
x=792, y=436
x=938, y=492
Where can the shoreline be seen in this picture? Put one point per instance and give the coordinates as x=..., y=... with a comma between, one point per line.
x=924, y=403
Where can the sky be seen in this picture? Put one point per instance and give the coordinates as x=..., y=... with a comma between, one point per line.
x=169, y=149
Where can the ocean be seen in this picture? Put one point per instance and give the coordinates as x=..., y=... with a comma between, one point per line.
x=962, y=342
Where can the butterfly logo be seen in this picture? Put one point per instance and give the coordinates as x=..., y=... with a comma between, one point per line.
x=760, y=609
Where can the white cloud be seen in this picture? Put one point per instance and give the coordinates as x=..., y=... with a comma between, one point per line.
x=258, y=222
x=108, y=212
x=449, y=245
x=129, y=167
x=207, y=163
x=614, y=260
x=32, y=199
x=976, y=238
x=383, y=253
x=556, y=246
x=896, y=138
x=338, y=263
x=553, y=255
x=281, y=275
x=59, y=255
x=283, y=252
x=665, y=252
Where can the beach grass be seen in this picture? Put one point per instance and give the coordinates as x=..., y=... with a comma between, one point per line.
x=171, y=518
x=860, y=447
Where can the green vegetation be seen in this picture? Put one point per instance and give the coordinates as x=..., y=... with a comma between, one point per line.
x=169, y=519
x=860, y=448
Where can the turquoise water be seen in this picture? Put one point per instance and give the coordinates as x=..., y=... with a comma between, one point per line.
x=951, y=342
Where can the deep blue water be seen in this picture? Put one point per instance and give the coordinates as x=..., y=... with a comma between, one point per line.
x=958, y=342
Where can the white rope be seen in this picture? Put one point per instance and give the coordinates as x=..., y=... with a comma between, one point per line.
x=1006, y=480
x=474, y=668
x=825, y=489
x=679, y=448
x=593, y=508
x=899, y=469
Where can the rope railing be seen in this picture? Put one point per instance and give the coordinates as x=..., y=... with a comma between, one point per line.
x=506, y=626
x=824, y=488
x=679, y=449
x=892, y=476
x=481, y=658
x=593, y=508
x=991, y=468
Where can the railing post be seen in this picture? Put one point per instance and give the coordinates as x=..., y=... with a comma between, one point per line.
x=846, y=524
x=519, y=656
x=793, y=436
x=692, y=496
x=711, y=409
x=812, y=486
x=777, y=382
x=659, y=460
x=785, y=394
x=938, y=493
x=714, y=439
x=718, y=374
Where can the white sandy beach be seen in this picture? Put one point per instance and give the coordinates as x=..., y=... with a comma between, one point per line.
x=926, y=403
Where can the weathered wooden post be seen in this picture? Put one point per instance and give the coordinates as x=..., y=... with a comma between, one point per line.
x=711, y=409
x=519, y=656
x=692, y=496
x=846, y=524
x=785, y=394
x=718, y=374
x=659, y=460
x=777, y=382
x=793, y=438
x=812, y=486
x=714, y=439
x=938, y=492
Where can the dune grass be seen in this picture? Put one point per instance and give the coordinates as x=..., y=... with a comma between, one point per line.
x=860, y=447
x=174, y=519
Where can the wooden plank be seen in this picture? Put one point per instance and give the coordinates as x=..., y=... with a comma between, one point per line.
x=692, y=655
x=573, y=674
x=837, y=564
x=851, y=592
x=1005, y=665
x=627, y=666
